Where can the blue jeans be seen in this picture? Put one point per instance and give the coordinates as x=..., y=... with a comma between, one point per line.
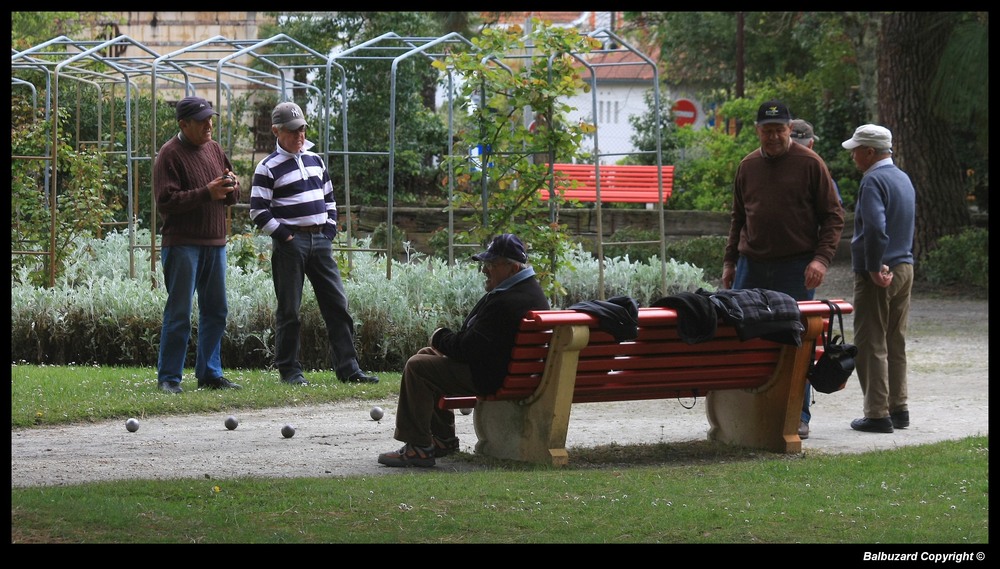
x=188, y=269
x=787, y=276
x=310, y=255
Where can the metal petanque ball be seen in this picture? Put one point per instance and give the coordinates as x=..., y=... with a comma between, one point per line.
x=377, y=413
x=466, y=410
x=288, y=431
x=132, y=425
x=232, y=422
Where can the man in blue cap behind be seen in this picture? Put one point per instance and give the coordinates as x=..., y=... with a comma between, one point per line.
x=473, y=359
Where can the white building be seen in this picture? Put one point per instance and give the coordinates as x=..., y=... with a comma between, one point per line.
x=623, y=79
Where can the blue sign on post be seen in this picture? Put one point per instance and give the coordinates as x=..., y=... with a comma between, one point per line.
x=474, y=156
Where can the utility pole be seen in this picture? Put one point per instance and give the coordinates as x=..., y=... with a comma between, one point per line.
x=739, y=66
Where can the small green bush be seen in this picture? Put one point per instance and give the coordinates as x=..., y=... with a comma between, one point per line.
x=705, y=252
x=638, y=252
x=960, y=259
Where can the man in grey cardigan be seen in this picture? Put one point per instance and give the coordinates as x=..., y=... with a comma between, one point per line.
x=882, y=258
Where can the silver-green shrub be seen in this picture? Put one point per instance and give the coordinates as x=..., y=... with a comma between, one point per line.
x=98, y=314
x=579, y=277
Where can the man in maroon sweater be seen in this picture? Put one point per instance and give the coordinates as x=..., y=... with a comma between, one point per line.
x=193, y=182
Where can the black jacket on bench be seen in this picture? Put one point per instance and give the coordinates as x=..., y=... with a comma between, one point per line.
x=618, y=315
x=759, y=313
x=754, y=312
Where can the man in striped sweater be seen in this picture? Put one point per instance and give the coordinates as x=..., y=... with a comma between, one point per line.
x=292, y=201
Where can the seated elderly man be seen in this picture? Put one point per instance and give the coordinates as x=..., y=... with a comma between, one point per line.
x=473, y=359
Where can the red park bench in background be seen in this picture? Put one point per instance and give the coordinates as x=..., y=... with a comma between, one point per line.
x=618, y=183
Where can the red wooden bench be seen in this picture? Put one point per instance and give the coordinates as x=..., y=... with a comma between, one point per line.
x=616, y=183
x=753, y=389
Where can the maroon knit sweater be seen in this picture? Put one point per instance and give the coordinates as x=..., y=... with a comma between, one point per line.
x=180, y=182
x=784, y=207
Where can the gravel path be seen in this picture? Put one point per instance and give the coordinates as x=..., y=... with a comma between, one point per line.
x=949, y=399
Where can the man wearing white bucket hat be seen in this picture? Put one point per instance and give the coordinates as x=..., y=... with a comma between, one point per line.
x=882, y=258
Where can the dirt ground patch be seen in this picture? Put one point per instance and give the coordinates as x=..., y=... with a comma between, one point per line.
x=948, y=384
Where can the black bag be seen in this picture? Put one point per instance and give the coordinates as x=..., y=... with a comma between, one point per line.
x=830, y=372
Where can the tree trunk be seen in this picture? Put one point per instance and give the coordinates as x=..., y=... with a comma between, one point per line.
x=862, y=28
x=910, y=50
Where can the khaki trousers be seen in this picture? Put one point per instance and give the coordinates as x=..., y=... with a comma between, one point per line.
x=427, y=376
x=880, y=319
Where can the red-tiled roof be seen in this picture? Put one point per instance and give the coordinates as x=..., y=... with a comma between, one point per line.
x=619, y=65
x=555, y=18
x=622, y=65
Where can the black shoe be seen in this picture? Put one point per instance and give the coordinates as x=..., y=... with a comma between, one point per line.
x=297, y=379
x=803, y=430
x=445, y=446
x=883, y=425
x=900, y=419
x=170, y=387
x=409, y=455
x=361, y=377
x=218, y=383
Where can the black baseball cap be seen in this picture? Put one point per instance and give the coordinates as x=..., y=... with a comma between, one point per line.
x=773, y=112
x=507, y=246
x=194, y=108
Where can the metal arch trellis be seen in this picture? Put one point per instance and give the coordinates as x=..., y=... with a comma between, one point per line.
x=211, y=64
x=593, y=62
x=206, y=64
x=395, y=49
x=391, y=46
x=84, y=62
x=608, y=37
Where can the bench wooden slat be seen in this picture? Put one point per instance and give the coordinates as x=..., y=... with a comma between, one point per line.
x=535, y=367
x=708, y=378
x=669, y=346
x=652, y=384
x=691, y=384
x=719, y=363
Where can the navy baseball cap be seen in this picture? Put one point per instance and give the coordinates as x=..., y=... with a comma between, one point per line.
x=194, y=108
x=773, y=112
x=507, y=246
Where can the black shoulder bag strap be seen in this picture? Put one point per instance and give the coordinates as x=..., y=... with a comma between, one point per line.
x=834, y=311
x=828, y=339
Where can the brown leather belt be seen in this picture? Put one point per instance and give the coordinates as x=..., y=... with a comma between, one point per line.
x=307, y=228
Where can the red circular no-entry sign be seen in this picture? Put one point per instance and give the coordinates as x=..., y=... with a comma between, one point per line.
x=685, y=112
